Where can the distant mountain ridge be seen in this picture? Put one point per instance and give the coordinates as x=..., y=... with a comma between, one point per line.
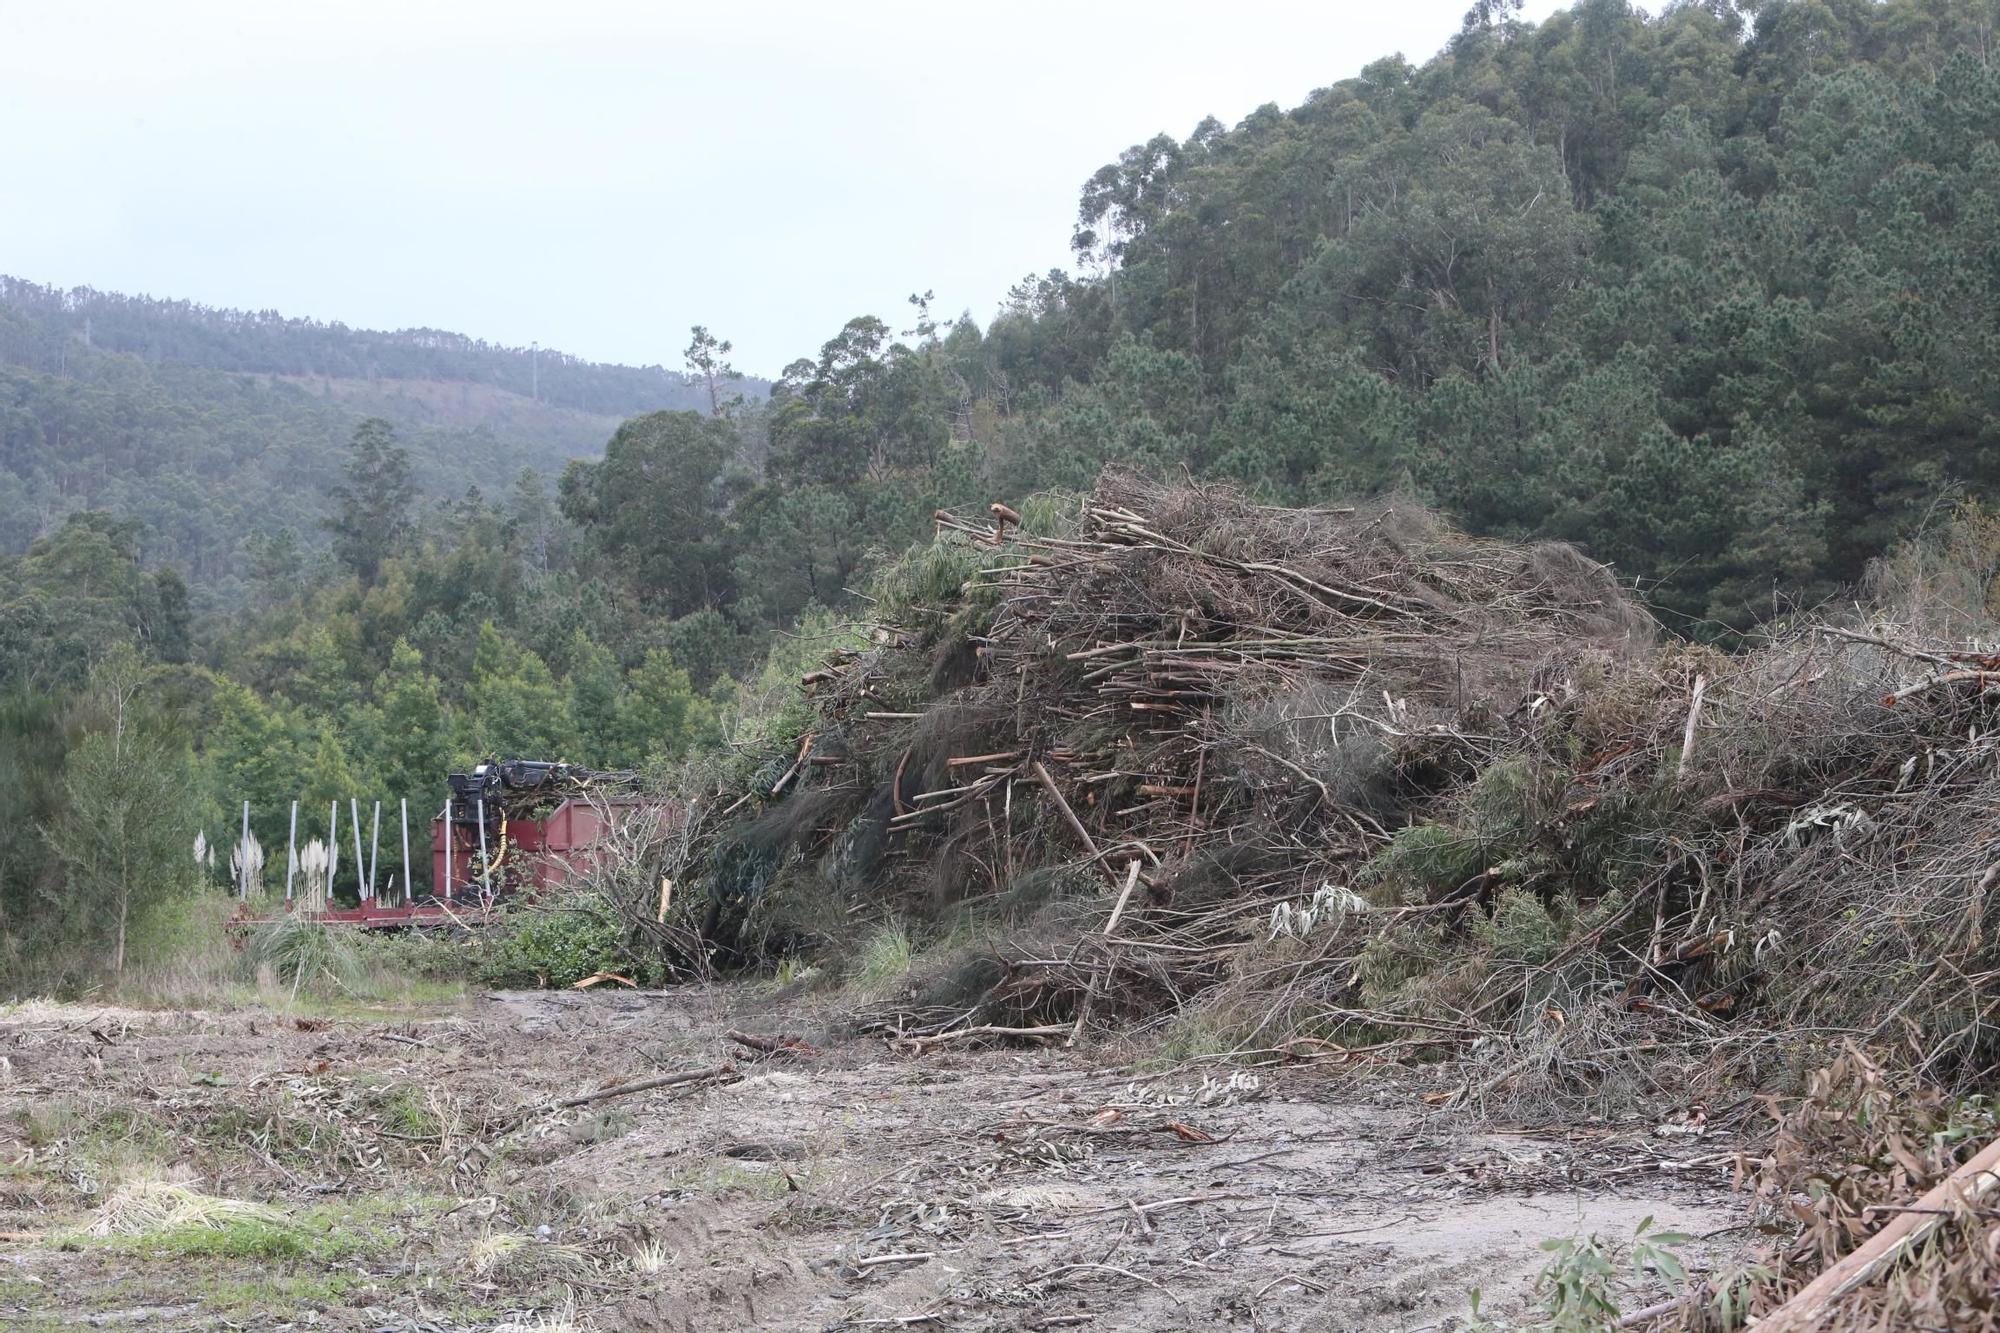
x=212, y=425
x=265, y=341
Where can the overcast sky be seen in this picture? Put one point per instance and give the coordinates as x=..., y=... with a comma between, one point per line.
x=598, y=176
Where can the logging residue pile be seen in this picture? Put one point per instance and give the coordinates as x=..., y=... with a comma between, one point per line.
x=1352, y=778
x=1199, y=706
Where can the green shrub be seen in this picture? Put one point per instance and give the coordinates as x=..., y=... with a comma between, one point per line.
x=1522, y=929
x=1512, y=796
x=560, y=948
x=427, y=955
x=1424, y=860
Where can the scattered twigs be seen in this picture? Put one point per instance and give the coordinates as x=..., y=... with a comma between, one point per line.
x=1122, y=1272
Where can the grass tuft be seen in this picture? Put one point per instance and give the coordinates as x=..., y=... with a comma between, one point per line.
x=305, y=954
x=885, y=956
x=148, y=1207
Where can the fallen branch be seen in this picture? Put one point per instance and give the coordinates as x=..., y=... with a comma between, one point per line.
x=779, y=1045
x=805, y=748
x=1650, y=1313
x=712, y=1074
x=1982, y=678
x=1124, y=896
x=919, y=1045
x=1967, y=1185
x=1075, y=824
x=912, y=1257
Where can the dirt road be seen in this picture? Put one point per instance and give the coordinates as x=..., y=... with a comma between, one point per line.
x=404, y=1188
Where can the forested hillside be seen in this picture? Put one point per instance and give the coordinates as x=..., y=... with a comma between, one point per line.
x=1713, y=294
x=214, y=427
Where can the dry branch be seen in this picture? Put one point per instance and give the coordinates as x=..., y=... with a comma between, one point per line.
x=778, y=1045
x=713, y=1074
x=1962, y=1189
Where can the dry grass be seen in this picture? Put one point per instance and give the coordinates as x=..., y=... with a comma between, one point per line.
x=144, y=1206
x=651, y=1257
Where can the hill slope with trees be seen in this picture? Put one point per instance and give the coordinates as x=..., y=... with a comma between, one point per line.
x=1711, y=294
x=216, y=427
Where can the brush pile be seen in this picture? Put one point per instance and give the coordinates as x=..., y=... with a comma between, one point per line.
x=1341, y=782
x=1197, y=706
x=1348, y=785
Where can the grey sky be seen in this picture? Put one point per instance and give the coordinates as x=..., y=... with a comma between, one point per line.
x=598, y=176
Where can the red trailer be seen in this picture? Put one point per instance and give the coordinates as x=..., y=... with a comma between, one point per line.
x=518, y=827
x=552, y=847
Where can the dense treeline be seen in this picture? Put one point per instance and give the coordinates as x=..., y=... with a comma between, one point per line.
x=366, y=669
x=1711, y=293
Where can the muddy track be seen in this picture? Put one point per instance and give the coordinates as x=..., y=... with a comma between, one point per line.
x=852, y=1187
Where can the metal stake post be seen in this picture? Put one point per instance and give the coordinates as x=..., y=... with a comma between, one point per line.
x=374, y=846
x=485, y=863
x=243, y=857
x=360, y=866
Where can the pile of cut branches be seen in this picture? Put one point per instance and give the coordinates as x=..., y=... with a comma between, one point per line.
x=1345, y=782
x=1164, y=705
x=1754, y=857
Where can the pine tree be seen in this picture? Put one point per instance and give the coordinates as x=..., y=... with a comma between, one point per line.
x=373, y=501
x=414, y=752
x=593, y=704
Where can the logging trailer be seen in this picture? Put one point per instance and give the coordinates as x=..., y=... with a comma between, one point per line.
x=507, y=829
